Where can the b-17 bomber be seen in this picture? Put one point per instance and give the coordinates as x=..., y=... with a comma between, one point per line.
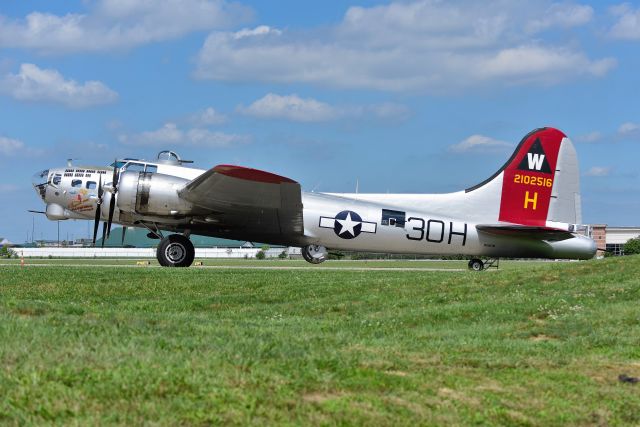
x=530, y=208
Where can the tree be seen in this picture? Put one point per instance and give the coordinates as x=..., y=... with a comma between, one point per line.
x=632, y=246
x=260, y=254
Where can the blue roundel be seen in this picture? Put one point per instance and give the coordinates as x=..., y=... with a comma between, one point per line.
x=347, y=225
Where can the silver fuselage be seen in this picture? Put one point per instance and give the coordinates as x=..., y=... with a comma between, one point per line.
x=433, y=224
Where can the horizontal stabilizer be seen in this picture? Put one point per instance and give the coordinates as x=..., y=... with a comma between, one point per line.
x=542, y=233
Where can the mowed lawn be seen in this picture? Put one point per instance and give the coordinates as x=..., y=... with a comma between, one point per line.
x=541, y=344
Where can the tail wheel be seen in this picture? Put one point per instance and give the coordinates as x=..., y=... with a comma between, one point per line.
x=175, y=250
x=314, y=254
x=476, y=265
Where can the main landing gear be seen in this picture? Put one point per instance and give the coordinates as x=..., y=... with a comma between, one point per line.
x=476, y=264
x=314, y=254
x=175, y=250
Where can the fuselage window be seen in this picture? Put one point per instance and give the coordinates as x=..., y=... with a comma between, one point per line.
x=77, y=183
x=91, y=185
x=56, y=179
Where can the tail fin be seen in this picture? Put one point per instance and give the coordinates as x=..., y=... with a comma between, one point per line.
x=540, y=182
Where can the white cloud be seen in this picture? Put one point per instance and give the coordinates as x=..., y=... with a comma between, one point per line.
x=208, y=117
x=9, y=146
x=564, y=15
x=36, y=84
x=170, y=135
x=590, y=137
x=598, y=171
x=419, y=45
x=629, y=128
x=8, y=188
x=480, y=143
x=294, y=108
x=387, y=111
x=118, y=24
x=627, y=27
x=289, y=107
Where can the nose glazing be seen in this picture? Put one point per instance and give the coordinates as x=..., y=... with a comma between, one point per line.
x=39, y=181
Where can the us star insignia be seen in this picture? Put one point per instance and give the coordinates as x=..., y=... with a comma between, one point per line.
x=347, y=224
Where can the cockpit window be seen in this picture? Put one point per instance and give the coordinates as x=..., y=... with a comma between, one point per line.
x=77, y=183
x=135, y=167
x=56, y=179
x=152, y=169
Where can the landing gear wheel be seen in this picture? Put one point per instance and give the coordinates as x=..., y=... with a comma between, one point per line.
x=175, y=250
x=314, y=254
x=476, y=265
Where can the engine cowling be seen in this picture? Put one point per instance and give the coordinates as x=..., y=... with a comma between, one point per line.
x=152, y=194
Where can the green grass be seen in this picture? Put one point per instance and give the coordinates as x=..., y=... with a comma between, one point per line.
x=539, y=344
x=294, y=263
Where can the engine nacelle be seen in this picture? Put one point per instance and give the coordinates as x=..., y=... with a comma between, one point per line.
x=55, y=212
x=152, y=194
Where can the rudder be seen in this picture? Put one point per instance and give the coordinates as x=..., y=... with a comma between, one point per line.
x=540, y=184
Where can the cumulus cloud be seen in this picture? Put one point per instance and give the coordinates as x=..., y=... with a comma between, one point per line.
x=37, y=84
x=590, y=137
x=627, y=26
x=564, y=15
x=170, y=135
x=420, y=45
x=208, y=117
x=294, y=108
x=10, y=146
x=480, y=143
x=118, y=24
x=598, y=171
x=629, y=129
x=8, y=188
x=289, y=107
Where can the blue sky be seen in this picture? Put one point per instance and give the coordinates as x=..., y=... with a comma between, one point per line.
x=407, y=96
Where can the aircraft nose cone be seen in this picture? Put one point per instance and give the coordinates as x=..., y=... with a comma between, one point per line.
x=39, y=181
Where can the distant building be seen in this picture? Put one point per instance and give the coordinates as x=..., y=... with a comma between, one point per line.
x=613, y=238
x=5, y=242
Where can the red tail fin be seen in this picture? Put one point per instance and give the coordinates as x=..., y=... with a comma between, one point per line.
x=528, y=178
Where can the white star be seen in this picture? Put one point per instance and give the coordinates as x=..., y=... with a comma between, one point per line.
x=347, y=224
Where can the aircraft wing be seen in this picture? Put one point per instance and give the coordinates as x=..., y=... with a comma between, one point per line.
x=246, y=199
x=542, y=233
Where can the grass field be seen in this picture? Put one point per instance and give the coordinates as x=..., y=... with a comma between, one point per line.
x=271, y=263
x=531, y=344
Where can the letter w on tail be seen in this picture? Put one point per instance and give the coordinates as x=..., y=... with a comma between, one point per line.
x=535, y=161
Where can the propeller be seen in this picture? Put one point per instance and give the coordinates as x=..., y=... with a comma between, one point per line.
x=98, y=211
x=112, y=203
x=38, y=212
x=104, y=233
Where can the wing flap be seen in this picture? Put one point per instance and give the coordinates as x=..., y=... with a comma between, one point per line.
x=247, y=198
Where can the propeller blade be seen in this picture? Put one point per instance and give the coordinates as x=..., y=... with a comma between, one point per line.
x=112, y=207
x=40, y=212
x=116, y=174
x=112, y=203
x=124, y=231
x=97, y=218
x=104, y=233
